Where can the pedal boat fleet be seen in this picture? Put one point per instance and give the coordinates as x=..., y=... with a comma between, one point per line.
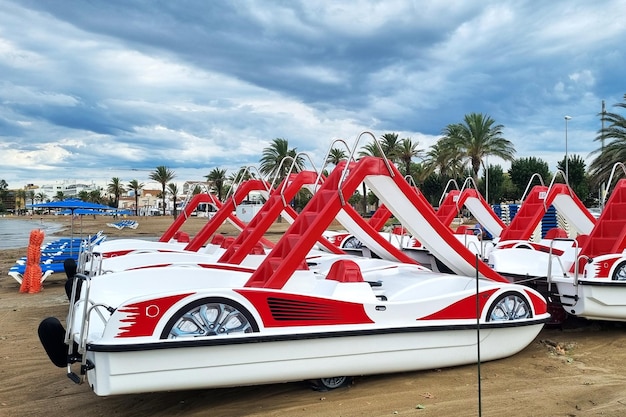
x=294, y=312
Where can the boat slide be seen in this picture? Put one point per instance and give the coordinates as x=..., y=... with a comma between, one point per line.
x=476, y=204
x=535, y=206
x=586, y=274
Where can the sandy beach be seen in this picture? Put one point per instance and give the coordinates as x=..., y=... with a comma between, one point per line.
x=576, y=370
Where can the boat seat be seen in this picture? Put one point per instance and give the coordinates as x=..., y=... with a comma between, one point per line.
x=182, y=237
x=464, y=230
x=217, y=240
x=345, y=270
x=556, y=232
x=257, y=249
x=227, y=242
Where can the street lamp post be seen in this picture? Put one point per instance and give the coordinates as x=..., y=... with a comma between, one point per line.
x=566, y=161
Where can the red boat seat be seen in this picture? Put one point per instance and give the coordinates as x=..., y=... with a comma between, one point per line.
x=182, y=237
x=217, y=240
x=257, y=249
x=464, y=230
x=227, y=242
x=556, y=232
x=345, y=270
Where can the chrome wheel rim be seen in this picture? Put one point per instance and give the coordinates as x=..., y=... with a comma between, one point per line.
x=210, y=319
x=510, y=307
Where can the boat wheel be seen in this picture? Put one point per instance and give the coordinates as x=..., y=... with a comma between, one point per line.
x=352, y=243
x=326, y=384
x=509, y=306
x=209, y=317
x=620, y=272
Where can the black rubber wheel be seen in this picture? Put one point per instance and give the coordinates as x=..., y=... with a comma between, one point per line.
x=352, y=243
x=209, y=317
x=620, y=272
x=509, y=306
x=327, y=384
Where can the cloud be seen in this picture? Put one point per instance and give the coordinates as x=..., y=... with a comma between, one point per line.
x=92, y=90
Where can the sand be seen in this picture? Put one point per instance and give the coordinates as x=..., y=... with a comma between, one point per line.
x=576, y=370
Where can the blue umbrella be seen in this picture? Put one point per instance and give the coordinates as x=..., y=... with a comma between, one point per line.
x=72, y=205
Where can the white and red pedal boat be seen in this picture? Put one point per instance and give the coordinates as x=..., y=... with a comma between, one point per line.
x=176, y=328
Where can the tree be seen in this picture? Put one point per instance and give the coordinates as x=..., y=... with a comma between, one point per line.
x=578, y=179
x=217, y=178
x=390, y=145
x=59, y=196
x=4, y=187
x=406, y=152
x=613, y=151
x=136, y=187
x=40, y=197
x=20, y=198
x=162, y=175
x=522, y=171
x=271, y=163
x=335, y=156
x=95, y=196
x=172, y=188
x=445, y=159
x=477, y=138
x=496, y=184
x=30, y=195
x=84, y=195
x=116, y=188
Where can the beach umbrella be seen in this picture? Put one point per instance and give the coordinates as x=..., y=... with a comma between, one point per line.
x=72, y=205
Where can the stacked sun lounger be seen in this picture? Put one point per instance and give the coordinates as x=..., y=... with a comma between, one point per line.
x=131, y=224
x=54, y=254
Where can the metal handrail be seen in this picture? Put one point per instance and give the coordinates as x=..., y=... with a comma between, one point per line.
x=330, y=148
x=530, y=181
x=291, y=168
x=445, y=190
x=606, y=192
x=571, y=192
x=346, y=168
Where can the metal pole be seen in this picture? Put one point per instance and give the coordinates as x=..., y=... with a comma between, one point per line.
x=602, y=185
x=566, y=157
x=487, y=179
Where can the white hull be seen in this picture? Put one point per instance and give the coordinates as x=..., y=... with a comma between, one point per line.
x=596, y=299
x=231, y=364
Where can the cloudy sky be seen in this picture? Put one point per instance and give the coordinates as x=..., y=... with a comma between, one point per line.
x=113, y=88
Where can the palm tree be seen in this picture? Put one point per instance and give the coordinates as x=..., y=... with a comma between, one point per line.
x=217, y=178
x=20, y=198
x=444, y=159
x=95, y=196
x=116, y=188
x=41, y=197
x=476, y=138
x=335, y=156
x=162, y=175
x=59, y=196
x=614, y=151
x=406, y=152
x=136, y=186
x=30, y=194
x=390, y=145
x=172, y=188
x=272, y=157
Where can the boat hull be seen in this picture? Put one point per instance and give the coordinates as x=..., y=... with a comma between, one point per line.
x=224, y=362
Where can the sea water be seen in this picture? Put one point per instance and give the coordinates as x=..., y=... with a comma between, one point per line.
x=15, y=233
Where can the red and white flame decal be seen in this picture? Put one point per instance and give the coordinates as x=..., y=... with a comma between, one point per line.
x=142, y=317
